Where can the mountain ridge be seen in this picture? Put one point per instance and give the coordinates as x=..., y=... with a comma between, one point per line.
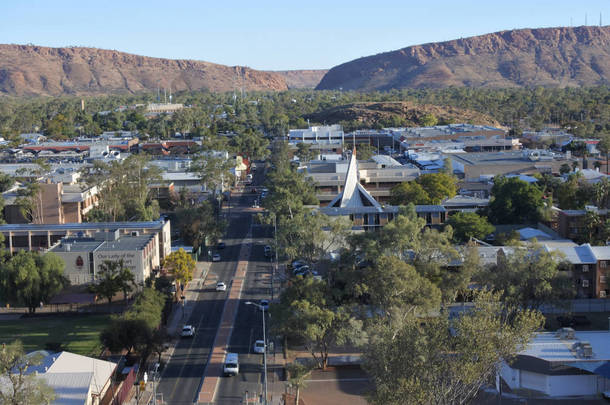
x=561, y=57
x=31, y=70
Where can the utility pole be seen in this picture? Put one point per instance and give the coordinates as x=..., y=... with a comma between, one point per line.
x=264, y=351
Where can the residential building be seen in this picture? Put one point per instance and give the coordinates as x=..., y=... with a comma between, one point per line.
x=83, y=256
x=565, y=363
x=75, y=379
x=570, y=224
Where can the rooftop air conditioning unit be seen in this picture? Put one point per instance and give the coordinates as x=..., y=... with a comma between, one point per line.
x=566, y=333
x=135, y=233
x=587, y=350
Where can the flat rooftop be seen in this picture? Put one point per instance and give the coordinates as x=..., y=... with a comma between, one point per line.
x=84, y=225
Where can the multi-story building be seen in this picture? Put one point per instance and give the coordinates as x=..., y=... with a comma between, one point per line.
x=83, y=256
x=56, y=203
x=42, y=237
x=377, y=176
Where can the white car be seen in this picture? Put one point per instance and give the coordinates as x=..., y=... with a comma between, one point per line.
x=259, y=346
x=216, y=257
x=220, y=286
x=188, y=331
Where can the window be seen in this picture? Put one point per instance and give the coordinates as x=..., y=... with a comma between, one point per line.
x=602, y=279
x=602, y=264
x=602, y=294
x=585, y=283
x=585, y=268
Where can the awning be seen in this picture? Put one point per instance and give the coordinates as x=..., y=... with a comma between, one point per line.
x=601, y=368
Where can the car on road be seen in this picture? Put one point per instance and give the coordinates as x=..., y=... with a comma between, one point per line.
x=259, y=347
x=267, y=251
x=231, y=365
x=216, y=257
x=220, y=286
x=188, y=331
x=264, y=305
x=300, y=269
x=221, y=245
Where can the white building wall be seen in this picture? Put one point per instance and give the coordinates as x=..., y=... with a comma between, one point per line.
x=569, y=385
x=131, y=259
x=534, y=381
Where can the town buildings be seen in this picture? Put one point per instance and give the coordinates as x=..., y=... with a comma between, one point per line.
x=84, y=255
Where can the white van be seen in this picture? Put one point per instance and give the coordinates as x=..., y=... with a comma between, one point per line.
x=231, y=365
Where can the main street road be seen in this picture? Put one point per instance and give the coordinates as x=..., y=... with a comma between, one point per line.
x=247, y=329
x=182, y=376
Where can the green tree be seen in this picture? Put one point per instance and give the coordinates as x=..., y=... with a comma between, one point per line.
x=108, y=280
x=126, y=279
x=565, y=169
x=304, y=152
x=298, y=372
x=251, y=144
x=214, y=171
x=467, y=225
x=428, y=120
x=514, y=201
x=439, y=186
x=410, y=192
x=29, y=278
x=529, y=278
x=20, y=386
x=181, y=265
x=445, y=361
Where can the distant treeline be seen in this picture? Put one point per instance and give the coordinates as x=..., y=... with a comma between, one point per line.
x=583, y=111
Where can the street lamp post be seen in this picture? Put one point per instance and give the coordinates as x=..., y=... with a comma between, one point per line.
x=265, y=349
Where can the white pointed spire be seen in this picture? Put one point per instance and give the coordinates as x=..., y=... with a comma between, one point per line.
x=354, y=195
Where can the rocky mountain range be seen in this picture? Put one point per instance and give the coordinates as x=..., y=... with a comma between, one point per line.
x=302, y=79
x=554, y=57
x=27, y=70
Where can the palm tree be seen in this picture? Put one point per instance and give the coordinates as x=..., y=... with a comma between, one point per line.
x=298, y=373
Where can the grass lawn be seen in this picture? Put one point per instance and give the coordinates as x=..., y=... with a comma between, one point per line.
x=77, y=334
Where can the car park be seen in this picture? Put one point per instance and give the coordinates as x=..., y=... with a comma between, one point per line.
x=188, y=331
x=259, y=347
x=220, y=286
x=216, y=257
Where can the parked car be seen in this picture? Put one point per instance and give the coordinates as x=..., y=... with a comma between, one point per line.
x=264, y=305
x=259, y=346
x=188, y=331
x=301, y=269
x=220, y=286
x=216, y=257
x=298, y=263
x=267, y=251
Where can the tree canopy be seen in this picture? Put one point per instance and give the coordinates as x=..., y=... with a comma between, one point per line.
x=514, y=201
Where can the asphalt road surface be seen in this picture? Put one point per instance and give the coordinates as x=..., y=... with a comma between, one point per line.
x=182, y=376
x=248, y=328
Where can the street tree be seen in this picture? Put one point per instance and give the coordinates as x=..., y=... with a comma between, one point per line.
x=181, y=265
x=467, y=225
x=21, y=386
x=438, y=360
x=304, y=152
x=214, y=171
x=250, y=144
x=30, y=279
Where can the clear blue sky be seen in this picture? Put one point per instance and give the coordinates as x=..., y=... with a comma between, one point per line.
x=276, y=35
